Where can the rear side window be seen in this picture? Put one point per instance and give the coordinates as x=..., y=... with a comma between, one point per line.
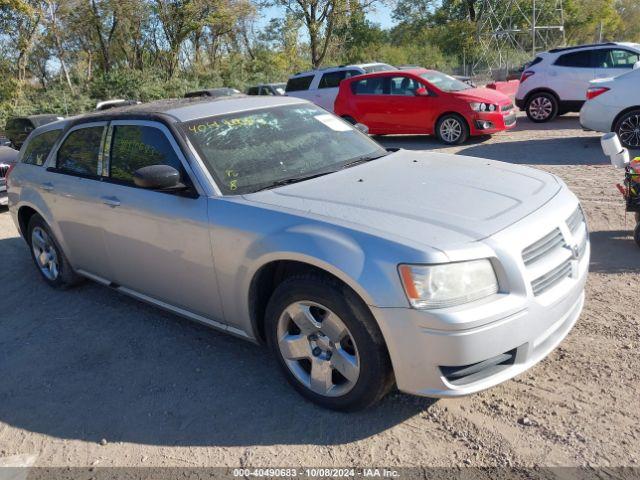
x=136, y=146
x=333, y=79
x=299, y=83
x=533, y=62
x=369, y=86
x=615, y=58
x=39, y=147
x=581, y=59
x=79, y=152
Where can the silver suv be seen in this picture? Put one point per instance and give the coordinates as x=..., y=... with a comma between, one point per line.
x=270, y=219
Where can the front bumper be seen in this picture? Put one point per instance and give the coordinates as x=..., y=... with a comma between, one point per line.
x=492, y=340
x=499, y=122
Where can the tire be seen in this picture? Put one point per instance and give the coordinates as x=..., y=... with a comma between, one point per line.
x=48, y=256
x=452, y=129
x=333, y=353
x=349, y=119
x=542, y=107
x=636, y=234
x=628, y=129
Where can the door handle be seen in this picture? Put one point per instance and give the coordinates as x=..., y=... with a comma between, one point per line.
x=111, y=201
x=46, y=186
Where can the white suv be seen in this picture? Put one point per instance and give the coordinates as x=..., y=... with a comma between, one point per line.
x=321, y=86
x=555, y=82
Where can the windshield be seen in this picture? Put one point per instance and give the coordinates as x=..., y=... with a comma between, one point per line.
x=249, y=151
x=444, y=82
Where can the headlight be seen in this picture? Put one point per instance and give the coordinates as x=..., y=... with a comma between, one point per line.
x=448, y=284
x=482, y=107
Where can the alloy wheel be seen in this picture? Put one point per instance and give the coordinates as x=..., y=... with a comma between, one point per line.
x=45, y=253
x=450, y=130
x=629, y=131
x=541, y=108
x=318, y=348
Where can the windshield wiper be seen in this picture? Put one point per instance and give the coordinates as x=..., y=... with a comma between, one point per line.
x=363, y=159
x=302, y=178
x=289, y=181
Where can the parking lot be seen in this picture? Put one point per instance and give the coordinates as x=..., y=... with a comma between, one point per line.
x=90, y=377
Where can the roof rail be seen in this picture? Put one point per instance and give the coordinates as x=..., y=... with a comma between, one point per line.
x=586, y=45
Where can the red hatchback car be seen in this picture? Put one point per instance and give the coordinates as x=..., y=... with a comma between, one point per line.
x=423, y=101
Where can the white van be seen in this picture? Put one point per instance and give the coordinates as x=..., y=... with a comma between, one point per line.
x=321, y=86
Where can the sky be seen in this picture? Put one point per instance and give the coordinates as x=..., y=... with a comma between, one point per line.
x=381, y=15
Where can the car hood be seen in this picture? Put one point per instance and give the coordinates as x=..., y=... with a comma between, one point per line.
x=434, y=199
x=482, y=94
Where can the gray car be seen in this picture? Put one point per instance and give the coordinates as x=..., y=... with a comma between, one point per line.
x=273, y=220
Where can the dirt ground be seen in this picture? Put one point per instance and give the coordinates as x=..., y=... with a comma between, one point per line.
x=90, y=377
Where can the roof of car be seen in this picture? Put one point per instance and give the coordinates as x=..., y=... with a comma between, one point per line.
x=337, y=68
x=184, y=109
x=594, y=45
x=414, y=71
x=38, y=119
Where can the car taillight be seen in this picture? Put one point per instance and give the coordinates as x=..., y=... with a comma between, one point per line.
x=526, y=74
x=593, y=92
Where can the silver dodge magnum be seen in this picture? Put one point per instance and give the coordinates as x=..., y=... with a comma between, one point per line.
x=273, y=220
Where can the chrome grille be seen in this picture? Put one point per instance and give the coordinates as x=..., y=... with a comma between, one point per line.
x=549, y=259
x=3, y=170
x=551, y=278
x=543, y=246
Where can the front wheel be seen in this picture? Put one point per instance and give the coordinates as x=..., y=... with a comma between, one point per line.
x=628, y=129
x=327, y=343
x=636, y=234
x=542, y=107
x=452, y=129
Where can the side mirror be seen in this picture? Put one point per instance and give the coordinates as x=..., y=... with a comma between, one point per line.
x=636, y=65
x=157, y=177
x=362, y=127
x=612, y=148
x=421, y=92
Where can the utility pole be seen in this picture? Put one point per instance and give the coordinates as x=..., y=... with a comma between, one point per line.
x=533, y=30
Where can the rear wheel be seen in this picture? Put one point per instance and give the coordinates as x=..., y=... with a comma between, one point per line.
x=636, y=234
x=628, y=129
x=48, y=257
x=542, y=107
x=452, y=129
x=327, y=343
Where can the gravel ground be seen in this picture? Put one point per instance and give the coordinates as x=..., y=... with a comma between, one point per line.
x=90, y=377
